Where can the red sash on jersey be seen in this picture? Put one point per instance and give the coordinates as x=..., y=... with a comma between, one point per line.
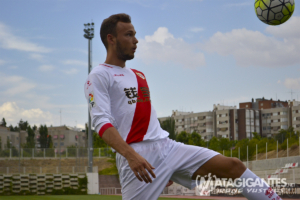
x=142, y=112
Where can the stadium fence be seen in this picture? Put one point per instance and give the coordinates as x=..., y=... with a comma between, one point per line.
x=13, y=153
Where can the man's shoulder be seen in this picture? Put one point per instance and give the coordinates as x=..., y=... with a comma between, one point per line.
x=101, y=69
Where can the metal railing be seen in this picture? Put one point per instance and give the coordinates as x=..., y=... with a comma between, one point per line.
x=46, y=170
x=24, y=153
x=110, y=191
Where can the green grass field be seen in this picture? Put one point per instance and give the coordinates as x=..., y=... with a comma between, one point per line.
x=72, y=197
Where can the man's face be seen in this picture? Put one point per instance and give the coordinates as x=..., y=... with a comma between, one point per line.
x=126, y=41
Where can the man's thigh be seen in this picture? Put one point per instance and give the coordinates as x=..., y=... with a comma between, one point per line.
x=137, y=190
x=186, y=160
x=155, y=153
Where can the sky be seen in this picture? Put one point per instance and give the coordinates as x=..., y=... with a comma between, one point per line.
x=194, y=53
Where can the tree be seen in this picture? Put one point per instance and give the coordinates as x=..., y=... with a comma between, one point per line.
x=49, y=141
x=8, y=145
x=195, y=139
x=16, y=129
x=3, y=123
x=256, y=136
x=284, y=134
x=23, y=125
x=169, y=126
x=86, y=131
x=242, y=144
x=214, y=144
x=183, y=137
x=98, y=142
x=30, y=143
x=224, y=144
x=11, y=128
x=43, y=136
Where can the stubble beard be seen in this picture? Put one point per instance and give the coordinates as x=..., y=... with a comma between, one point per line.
x=120, y=53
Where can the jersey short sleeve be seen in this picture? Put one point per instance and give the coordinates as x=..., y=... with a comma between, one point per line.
x=97, y=94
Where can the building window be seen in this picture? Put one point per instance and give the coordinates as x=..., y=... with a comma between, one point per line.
x=284, y=127
x=246, y=106
x=261, y=104
x=61, y=144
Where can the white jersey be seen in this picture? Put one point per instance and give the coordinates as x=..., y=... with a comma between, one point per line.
x=120, y=97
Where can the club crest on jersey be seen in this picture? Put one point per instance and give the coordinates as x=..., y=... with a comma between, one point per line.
x=140, y=75
x=91, y=99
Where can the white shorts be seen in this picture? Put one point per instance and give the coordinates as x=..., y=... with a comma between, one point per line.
x=172, y=161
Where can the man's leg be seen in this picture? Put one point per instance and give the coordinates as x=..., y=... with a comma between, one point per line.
x=224, y=167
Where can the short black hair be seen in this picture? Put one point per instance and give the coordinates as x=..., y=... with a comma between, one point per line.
x=109, y=25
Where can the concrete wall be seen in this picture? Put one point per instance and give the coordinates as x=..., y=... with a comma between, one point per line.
x=271, y=164
x=93, y=183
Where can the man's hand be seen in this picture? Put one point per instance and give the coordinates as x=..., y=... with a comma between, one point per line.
x=140, y=167
x=170, y=183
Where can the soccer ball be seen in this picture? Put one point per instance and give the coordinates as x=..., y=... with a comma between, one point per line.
x=274, y=12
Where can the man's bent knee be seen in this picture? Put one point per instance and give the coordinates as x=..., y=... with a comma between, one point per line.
x=222, y=167
x=236, y=168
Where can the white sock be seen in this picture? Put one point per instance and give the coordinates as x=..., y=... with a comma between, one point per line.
x=260, y=191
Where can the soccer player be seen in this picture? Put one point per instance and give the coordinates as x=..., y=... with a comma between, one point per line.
x=122, y=113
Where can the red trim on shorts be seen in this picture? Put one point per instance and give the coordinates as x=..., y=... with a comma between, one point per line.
x=142, y=112
x=104, y=127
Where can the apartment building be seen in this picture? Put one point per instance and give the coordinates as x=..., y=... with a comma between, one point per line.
x=266, y=117
x=295, y=111
x=262, y=103
x=223, y=122
x=12, y=137
x=248, y=121
x=64, y=136
x=201, y=123
x=275, y=119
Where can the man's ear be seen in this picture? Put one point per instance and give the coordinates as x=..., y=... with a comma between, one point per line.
x=111, y=40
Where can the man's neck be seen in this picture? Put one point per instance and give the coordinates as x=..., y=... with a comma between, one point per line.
x=113, y=60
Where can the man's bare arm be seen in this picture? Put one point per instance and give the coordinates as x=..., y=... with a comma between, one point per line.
x=137, y=163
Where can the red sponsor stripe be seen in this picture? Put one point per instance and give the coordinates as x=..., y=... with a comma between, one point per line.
x=142, y=112
x=104, y=127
